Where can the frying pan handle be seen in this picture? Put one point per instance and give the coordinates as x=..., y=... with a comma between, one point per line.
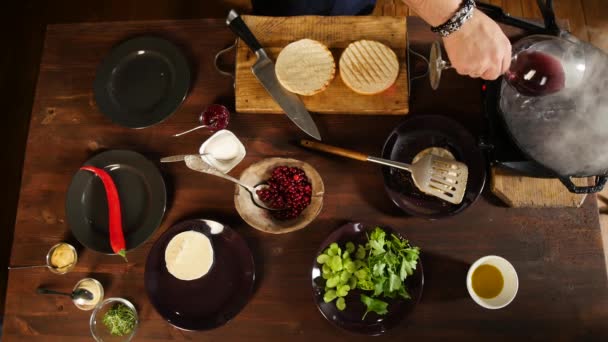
x=546, y=9
x=499, y=15
x=600, y=181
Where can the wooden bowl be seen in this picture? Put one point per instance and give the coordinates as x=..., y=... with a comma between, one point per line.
x=260, y=218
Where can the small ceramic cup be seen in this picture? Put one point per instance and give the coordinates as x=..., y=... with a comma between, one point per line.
x=95, y=288
x=224, y=163
x=510, y=286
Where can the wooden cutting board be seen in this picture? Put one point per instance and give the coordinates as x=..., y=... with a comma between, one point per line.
x=274, y=33
x=518, y=191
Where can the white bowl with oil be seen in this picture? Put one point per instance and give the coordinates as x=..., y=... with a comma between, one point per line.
x=510, y=282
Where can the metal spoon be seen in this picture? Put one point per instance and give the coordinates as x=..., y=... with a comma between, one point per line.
x=26, y=267
x=48, y=265
x=201, y=118
x=78, y=296
x=197, y=164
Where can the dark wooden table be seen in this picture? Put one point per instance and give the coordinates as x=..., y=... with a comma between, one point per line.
x=557, y=252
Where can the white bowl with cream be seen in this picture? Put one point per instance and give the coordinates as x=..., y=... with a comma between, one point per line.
x=223, y=150
x=510, y=282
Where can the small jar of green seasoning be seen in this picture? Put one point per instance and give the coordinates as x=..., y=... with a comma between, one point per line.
x=115, y=319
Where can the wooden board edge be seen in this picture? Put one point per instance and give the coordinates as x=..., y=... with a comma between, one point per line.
x=275, y=111
x=504, y=197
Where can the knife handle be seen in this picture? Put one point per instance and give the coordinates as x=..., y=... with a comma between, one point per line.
x=238, y=26
x=333, y=150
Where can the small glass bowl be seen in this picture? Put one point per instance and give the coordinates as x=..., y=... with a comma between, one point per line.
x=63, y=270
x=99, y=331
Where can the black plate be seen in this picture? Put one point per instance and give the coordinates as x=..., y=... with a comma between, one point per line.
x=142, y=200
x=212, y=300
x=415, y=134
x=142, y=82
x=350, y=318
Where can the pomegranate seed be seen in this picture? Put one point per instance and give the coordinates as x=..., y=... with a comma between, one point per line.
x=288, y=188
x=216, y=117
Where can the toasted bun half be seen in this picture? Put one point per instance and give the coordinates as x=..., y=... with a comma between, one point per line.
x=305, y=67
x=368, y=67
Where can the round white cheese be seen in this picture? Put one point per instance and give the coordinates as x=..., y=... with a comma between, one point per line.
x=189, y=255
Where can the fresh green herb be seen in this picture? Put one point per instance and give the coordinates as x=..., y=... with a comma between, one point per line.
x=120, y=320
x=341, y=304
x=374, y=305
x=380, y=266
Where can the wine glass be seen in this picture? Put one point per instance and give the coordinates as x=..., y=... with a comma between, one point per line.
x=436, y=64
x=540, y=65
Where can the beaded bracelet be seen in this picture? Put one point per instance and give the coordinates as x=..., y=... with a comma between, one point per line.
x=464, y=13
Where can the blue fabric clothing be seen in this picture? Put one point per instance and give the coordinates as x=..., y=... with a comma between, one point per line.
x=312, y=7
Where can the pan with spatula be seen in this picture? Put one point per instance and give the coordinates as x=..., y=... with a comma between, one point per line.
x=440, y=177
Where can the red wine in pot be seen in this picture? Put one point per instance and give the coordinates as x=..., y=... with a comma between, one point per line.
x=536, y=74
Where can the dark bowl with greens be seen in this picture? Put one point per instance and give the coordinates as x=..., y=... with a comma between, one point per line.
x=115, y=319
x=366, y=279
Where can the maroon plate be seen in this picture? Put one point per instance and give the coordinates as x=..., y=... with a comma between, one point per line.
x=415, y=134
x=350, y=318
x=212, y=300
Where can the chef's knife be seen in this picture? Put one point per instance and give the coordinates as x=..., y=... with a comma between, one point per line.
x=263, y=69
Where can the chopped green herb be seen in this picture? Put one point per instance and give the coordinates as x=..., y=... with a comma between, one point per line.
x=120, y=320
x=375, y=305
x=329, y=296
x=380, y=266
x=323, y=258
x=333, y=281
x=360, y=253
x=341, y=304
x=350, y=247
x=343, y=290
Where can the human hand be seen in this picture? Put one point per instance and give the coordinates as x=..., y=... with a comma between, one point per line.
x=479, y=48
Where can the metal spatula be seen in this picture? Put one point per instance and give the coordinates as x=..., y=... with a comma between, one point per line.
x=436, y=176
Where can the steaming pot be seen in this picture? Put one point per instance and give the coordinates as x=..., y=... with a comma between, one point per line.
x=565, y=132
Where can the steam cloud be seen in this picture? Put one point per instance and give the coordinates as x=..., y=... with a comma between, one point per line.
x=568, y=131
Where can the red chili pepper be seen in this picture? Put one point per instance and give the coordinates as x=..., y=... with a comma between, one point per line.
x=117, y=238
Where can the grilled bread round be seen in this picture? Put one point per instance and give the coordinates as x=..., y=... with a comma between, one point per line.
x=305, y=67
x=368, y=67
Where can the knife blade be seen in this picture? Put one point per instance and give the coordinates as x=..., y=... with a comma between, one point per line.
x=179, y=157
x=264, y=71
